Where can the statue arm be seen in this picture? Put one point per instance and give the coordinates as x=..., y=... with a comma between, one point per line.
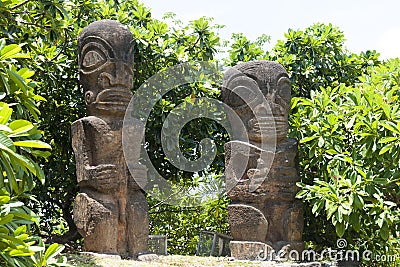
x=101, y=177
x=81, y=149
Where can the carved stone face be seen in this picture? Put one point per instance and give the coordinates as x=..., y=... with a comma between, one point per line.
x=106, y=67
x=248, y=79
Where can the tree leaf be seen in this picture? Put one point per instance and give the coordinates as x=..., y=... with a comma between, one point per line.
x=33, y=144
x=386, y=148
x=5, y=113
x=9, y=51
x=307, y=139
x=384, y=232
x=6, y=141
x=20, y=126
x=340, y=229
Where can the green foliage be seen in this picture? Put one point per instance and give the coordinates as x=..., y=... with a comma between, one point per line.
x=241, y=49
x=348, y=123
x=349, y=158
x=316, y=57
x=17, y=243
x=20, y=148
x=183, y=225
x=19, y=138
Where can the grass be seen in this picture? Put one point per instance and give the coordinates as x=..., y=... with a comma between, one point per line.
x=162, y=261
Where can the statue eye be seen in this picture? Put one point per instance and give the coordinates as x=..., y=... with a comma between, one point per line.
x=93, y=57
x=244, y=91
x=284, y=89
x=241, y=95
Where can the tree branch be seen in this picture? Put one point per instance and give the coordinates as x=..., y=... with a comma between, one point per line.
x=19, y=5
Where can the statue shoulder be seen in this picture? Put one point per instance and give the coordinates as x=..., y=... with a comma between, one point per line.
x=89, y=123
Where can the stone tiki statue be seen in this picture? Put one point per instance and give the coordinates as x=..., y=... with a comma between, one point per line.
x=268, y=214
x=111, y=211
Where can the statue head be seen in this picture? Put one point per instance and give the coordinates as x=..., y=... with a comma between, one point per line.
x=106, y=67
x=257, y=81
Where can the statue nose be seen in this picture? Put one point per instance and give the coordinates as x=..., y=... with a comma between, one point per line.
x=123, y=74
x=263, y=110
x=120, y=76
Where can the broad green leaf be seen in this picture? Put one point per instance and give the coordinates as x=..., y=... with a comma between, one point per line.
x=39, y=173
x=358, y=201
x=33, y=144
x=6, y=141
x=9, y=51
x=307, y=139
x=391, y=127
x=21, y=253
x=53, y=250
x=331, y=151
x=339, y=214
x=331, y=209
x=21, y=160
x=355, y=221
x=20, y=126
x=39, y=153
x=26, y=73
x=386, y=148
x=18, y=80
x=9, y=171
x=4, y=199
x=388, y=139
x=340, y=229
x=5, y=113
x=6, y=219
x=4, y=80
x=20, y=230
x=384, y=232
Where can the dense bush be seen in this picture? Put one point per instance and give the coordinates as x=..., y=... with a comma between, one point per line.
x=317, y=57
x=349, y=160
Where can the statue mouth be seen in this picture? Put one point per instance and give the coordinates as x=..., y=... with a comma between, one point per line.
x=268, y=125
x=114, y=96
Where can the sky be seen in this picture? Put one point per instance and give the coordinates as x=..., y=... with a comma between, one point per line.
x=367, y=24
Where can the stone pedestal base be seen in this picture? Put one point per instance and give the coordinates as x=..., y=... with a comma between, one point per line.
x=286, y=249
x=248, y=250
x=259, y=251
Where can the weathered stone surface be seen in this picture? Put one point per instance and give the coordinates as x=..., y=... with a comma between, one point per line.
x=247, y=223
x=246, y=250
x=262, y=173
x=272, y=80
x=93, y=219
x=111, y=210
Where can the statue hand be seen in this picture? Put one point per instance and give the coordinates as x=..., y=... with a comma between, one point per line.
x=102, y=177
